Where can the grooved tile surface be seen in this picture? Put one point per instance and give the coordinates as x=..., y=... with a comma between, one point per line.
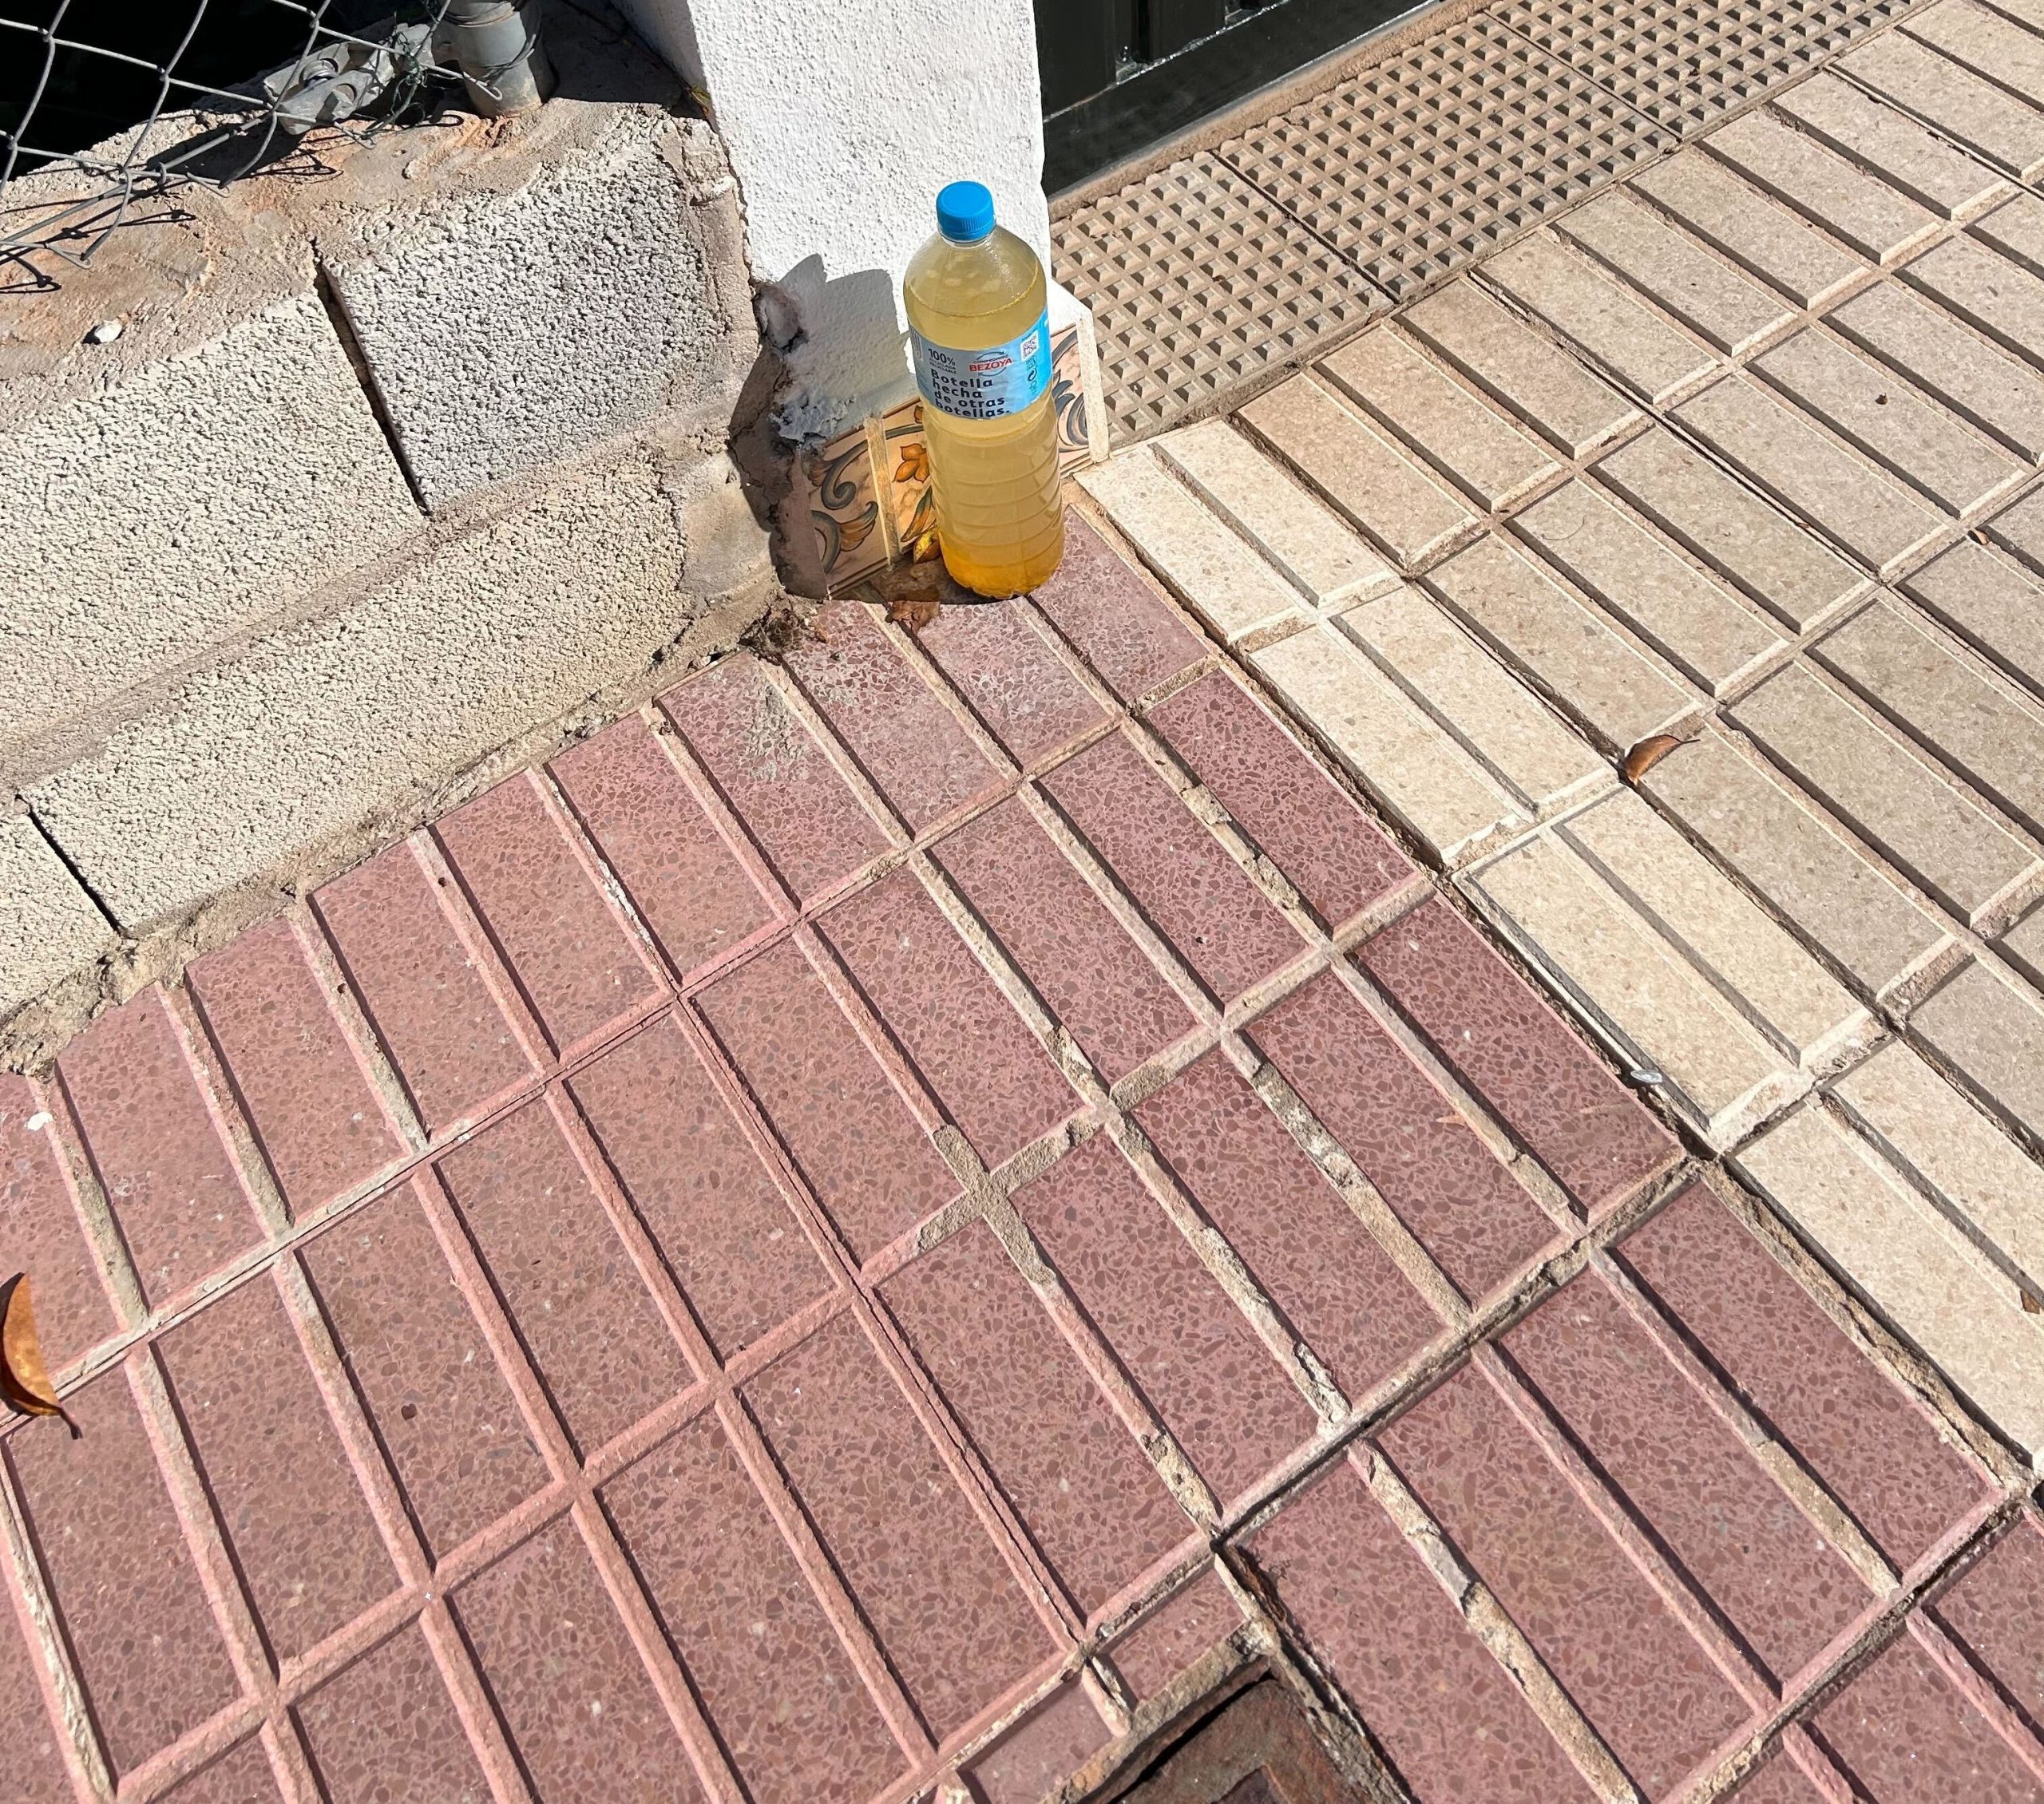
x=948, y=1613
x=1077, y=1478
x=385, y=1732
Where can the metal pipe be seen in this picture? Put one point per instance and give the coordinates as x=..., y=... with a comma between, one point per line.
x=496, y=43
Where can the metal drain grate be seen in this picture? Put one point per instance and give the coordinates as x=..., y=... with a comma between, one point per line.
x=1231, y=264
x=1197, y=282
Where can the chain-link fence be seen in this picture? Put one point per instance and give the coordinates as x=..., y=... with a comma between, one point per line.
x=109, y=105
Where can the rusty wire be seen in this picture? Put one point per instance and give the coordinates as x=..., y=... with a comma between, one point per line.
x=65, y=204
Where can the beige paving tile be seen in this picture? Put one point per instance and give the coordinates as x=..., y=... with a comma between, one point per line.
x=1394, y=748
x=1472, y=697
x=1914, y=1266
x=2017, y=230
x=2023, y=945
x=1786, y=852
x=1978, y=380
x=1470, y=440
x=1979, y=285
x=1976, y=726
x=1959, y=103
x=1989, y=1029
x=1984, y=42
x=1795, y=577
x=1917, y=161
x=1722, y=1073
x=1890, y=420
x=1886, y=793
x=1212, y=571
x=1528, y=373
x=1696, y=621
x=1570, y=649
x=1324, y=559
x=1752, y=958
x=1752, y=229
x=1698, y=285
x=1360, y=470
x=1865, y=212
x=1780, y=448
x=1592, y=308
x=2020, y=527
x=1982, y=1178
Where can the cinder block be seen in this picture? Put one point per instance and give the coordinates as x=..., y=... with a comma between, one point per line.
x=509, y=329
x=350, y=722
x=180, y=504
x=49, y=927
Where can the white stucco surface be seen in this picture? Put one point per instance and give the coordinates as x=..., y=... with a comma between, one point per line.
x=843, y=123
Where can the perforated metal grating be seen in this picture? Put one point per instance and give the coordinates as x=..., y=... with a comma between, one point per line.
x=1228, y=264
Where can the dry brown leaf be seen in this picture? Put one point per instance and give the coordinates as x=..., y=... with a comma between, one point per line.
x=927, y=548
x=2032, y=1305
x=1647, y=753
x=913, y=592
x=25, y=1385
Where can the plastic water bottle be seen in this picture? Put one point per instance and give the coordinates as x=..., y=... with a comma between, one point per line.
x=978, y=325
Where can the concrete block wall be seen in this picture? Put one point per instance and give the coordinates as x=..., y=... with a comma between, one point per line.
x=408, y=457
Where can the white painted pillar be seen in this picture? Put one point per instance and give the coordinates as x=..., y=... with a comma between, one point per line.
x=843, y=118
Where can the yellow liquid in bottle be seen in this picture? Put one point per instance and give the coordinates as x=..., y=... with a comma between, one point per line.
x=996, y=481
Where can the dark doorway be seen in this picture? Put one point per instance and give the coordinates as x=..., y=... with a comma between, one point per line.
x=1120, y=75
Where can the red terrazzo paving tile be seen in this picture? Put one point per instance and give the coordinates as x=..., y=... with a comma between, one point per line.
x=1439, y=1704
x=719, y=1220
x=40, y=1234
x=243, y=1777
x=420, y=988
x=985, y=1066
x=1908, y=1737
x=1780, y=1781
x=1519, y=1055
x=603, y=1352
x=321, y=1125
x=869, y=1161
x=814, y=831
x=686, y=882
x=169, y=1175
x=573, y=957
x=1785, y=1590
x=1024, y=694
x=1169, y=1641
x=1189, y=888
x=385, y=1732
x=948, y=1612
x=576, y=1700
x=1302, y=1243
x=132, y=1606
x=1339, y=860
x=1053, y=1740
x=1458, y=1200
x=1645, y=1687
x=1874, y=1449
x=1997, y=1610
x=906, y=741
x=1077, y=957
x=1212, y=1383
x=1132, y=640
x=293, y=1515
x=784, y=1698
x=433, y=1395
x=32, y=1767
x=1091, y=1500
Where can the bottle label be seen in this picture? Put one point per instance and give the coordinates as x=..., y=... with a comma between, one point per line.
x=984, y=384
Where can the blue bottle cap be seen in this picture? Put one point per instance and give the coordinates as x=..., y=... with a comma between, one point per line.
x=964, y=211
